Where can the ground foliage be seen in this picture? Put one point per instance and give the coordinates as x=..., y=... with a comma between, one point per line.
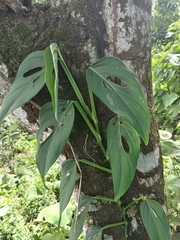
x=26, y=206
x=164, y=13
x=166, y=75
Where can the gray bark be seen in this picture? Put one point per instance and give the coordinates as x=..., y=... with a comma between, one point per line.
x=85, y=31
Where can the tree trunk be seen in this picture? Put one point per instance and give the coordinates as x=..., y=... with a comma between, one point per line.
x=85, y=31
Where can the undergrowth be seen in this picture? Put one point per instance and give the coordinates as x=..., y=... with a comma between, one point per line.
x=26, y=206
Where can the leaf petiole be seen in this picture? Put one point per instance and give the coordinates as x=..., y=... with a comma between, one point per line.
x=74, y=85
x=94, y=132
x=95, y=165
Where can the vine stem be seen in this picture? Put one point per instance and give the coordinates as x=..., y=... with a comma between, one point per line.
x=92, y=114
x=35, y=104
x=80, y=182
x=95, y=165
x=134, y=202
x=96, y=134
x=74, y=85
x=125, y=220
x=114, y=225
x=93, y=109
x=105, y=199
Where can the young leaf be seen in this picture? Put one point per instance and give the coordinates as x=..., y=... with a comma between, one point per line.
x=68, y=180
x=123, y=145
x=28, y=82
x=49, y=150
x=94, y=233
x=125, y=99
x=51, y=73
x=154, y=220
x=77, y=224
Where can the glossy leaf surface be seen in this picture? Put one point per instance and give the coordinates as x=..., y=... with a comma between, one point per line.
x=125, y=98
x=68, y=180
x=154, y=220
x=49, y=150
x=51, y=74
x=123, y=145
x=28, y=82
x=94, y=233
x=78, y=223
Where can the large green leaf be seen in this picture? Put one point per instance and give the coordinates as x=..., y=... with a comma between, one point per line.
x=68, y=180
x=154, y=220
x=94, y=233
x=78, y=223
x=51, y=74
x=49, y=150
x=125, y=99
x=123, y=145
x=28, y=82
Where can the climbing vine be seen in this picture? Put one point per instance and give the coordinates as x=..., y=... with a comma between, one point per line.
x=130, y=123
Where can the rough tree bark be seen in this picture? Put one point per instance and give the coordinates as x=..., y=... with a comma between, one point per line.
x=85, y=31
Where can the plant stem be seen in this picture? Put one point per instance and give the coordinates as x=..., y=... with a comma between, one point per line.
x=124, y=218
x=92, y=114
x=80, y=182
x=132, y=203
x=105, y=199
x=96, y=135
x=93, y=108
x=35, y=104
x=114, y=225
x=95, y=165
x=74, y=85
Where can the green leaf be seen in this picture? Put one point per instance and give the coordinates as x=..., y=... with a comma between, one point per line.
x=49, y=150
x=4, y=211
x=168, y=98
x=32, y=193
x=125, y=99
x=94, y=233
x=51, y=74
x=28, y=82
x=174, y=59
x=78, y=223
x=172, y=182
x=164, y=135
x=51, y=215
x=170, y=148
x=123, y=145
x=154, y=220
x=49, y=236
x=68, y=180
x=175, y=220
